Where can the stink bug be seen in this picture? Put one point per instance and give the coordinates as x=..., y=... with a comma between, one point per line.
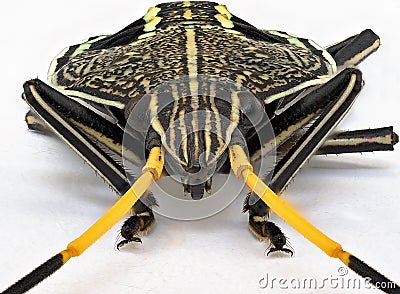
x=35, y=90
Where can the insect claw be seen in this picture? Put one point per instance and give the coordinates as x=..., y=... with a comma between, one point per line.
x=124, y=242
x=286, y=250
x=121, y=244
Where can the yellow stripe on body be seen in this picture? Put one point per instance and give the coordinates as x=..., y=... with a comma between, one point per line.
x=214, y=109
x=155, y=122
x=173, y=115
x=182, y=128
x=235, y=114
x=191, y=55
x=152, y=24
x=207, y=131
x=151, y=12
x=223, y=10
x=224, y=20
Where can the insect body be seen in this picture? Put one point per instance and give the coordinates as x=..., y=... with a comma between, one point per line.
x=193, y=86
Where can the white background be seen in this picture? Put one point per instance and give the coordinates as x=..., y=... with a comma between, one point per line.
x=48, y=196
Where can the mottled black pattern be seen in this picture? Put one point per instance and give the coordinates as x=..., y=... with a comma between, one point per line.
x=180, y=58
x=172, y=13
x=124, y=72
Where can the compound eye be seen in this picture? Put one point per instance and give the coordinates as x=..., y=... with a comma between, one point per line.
x=137, y=113
x=251, y=107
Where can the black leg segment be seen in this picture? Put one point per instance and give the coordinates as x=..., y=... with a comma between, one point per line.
x=140, y=222
x=381, y=139
x=263, y=229
x=355, y=49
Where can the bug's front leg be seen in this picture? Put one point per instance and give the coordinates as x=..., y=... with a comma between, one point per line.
x=74, y=124
x=336, y=97
x=142, y=218
x=261, y=227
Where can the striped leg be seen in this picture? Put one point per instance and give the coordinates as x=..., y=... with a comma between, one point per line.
x=59, y=114
x=77, y=126
x=355, y=49
x=340, y=93
x=381, y=139
x=368, y=140
x=338, y=96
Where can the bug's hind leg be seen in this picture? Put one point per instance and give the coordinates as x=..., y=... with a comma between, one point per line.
x=355, y=49
x=261, y=227
x=381, y=139
x=35, y=123
x=140, y=222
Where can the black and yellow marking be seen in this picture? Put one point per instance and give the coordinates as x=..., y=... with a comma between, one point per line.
x=381, y=139
x=355, y=49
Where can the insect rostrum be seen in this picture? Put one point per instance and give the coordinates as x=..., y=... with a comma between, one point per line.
x=190, y=90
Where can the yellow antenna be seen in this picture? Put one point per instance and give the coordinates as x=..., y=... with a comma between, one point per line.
x=243, y=169
x=151, y=171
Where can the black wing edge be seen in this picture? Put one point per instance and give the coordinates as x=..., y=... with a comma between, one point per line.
x=55, y=109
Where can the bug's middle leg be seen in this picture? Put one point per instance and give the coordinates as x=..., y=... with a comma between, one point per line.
x=368, y=140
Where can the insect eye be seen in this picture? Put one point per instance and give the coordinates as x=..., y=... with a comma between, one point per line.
x=251, y=107
x=137, y=113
